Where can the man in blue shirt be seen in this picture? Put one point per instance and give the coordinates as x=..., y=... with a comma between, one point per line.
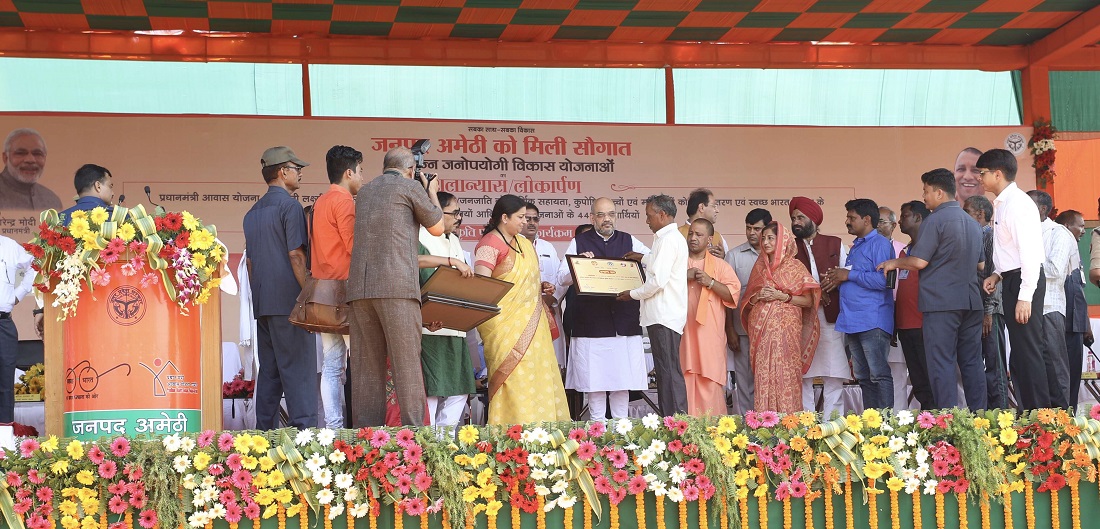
x=95, y=189
x=866, y=304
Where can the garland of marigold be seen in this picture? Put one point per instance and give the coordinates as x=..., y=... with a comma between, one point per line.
x=328, y=520
x=1029, y=505
x=515, y=509
x=398, y=517
x=587, y=513
x=373, y=515
x=895, y=519
x=1074, y=504
x=469, y=519
x=282, y=517
x=849, y=509
x=639, y=510
x=1007, y=495
x=103, y=520
x=964, y=523
x=787, y=513
x=984, y=506
x=659, y=511
x=918, y=519
x=235, y=525
x=872, y=505
x=209, y=524
x=614, y=510
x=828, y=497
x=809, y=508
x=682, y=511
x=939, y=511
x=724, y=523
x=351, y=520
x=490, y=520
x=762, y=506
x=303, y=514
x=1055, y=511
x=179, y=494
x=703, y=521
x=423, y=520
x=540, y=516
x=743, y=507
x=129, y=519
x=568, y=518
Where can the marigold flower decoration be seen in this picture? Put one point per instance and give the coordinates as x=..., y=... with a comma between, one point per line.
x=175, y=250
x=1043, y=150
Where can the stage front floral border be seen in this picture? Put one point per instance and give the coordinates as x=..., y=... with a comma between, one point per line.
x=193, y=480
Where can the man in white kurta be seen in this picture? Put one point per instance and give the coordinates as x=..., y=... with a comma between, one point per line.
x=548, y=269
x=610, y=360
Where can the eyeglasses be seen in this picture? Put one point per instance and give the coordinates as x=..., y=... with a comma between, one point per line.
x=455, y=214
x=295, y=167
x=532, y=219
x=606, y=215
x=982, y=172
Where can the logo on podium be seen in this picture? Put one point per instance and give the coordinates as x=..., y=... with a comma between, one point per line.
x=126, y=305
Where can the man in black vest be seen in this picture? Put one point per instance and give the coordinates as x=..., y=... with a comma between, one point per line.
x=605, y=350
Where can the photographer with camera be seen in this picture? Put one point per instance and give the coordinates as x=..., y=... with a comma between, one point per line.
x=383, y=286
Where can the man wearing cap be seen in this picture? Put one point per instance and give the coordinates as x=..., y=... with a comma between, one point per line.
x=275, y=236
x=821, y=253
x=384, y=290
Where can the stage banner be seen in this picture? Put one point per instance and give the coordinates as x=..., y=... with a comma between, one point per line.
x=132, y=362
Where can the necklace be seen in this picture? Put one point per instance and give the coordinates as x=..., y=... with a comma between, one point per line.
x=505, y=239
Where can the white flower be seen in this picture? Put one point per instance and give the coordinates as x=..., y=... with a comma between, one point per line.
x=539, y=474
x=540, y=436
x=189, y=482
x=896, y=444
x=912, y=485
x=631, y=447
x=549, y=459
x=197, y=501
x=903, y=456
x=911, y=438
x=559, y=473
x=208, y=482
x=566, y=501
x=315, y=462
x=623, y=426
x=922, y=455
x=930, y=486
x=325, y=496
x=650, y=478
x=209, y=494
x=533, y=458
x=886, y=427
x=197, y=519
x=335, y=510
x=651, y=421
x=646, y=458
x=303, y=438
x=322, y=477
x=171, y=443
x=905, y=418
x=217, y=511
x=550, y=505
x=351, y=494
x=337, y=457
x=187, y=444
x=559, y=487
x=675, y=494
x=181, y=464
x=677, y=474
x=922, y=470
x=659, y=488
x=658, y=446
x=359, y=510
x=663, y=465
x=541, y=490
x=908, y=474
x=344, y=481
x=326, y=436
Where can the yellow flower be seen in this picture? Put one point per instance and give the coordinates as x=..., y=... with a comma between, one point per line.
x=75, y=450
x=1020, y=468
x=276, y=478
x=126, y=232
x=249, y=462
x=480, y=459
x=49, y=445
x=484, y=477
x=90, y=505
x=488, y=491
x=1014, y=458
x=478, y=509
x=203, y=296
x=872, y=418
x=202, y=459
x=266, y=463
x=492, y=507
x=259, y=480
x=242, y=443
x=265, y=496
x=741, y=478
x=260, y=444
x=463, y=460
x=201, y=240
x=1008, y=436
x=468, y=435
x=854, y=422
x=67, y=508
x=879, y=439
x=895, y=484
x=78, y=227
x=742, y=492
x=98, y=215
x=90, y=237
x=217, y=254
x=69, y=522
x=270, y=511
x=198, y=259
x=293, y=510
x=283, y=496
x=85, y=477
x=190, y=222
x=981, y=423
x=1005, y=419
x=60, y=467
x=799, y=444
x=727, y=424
x=731, y=459
x=469, y=494
x=89, y=522
x=741, y=441
x=84, y=494
x=761, y=491
x=807, y=418
x=79, y=214
x=722, y=444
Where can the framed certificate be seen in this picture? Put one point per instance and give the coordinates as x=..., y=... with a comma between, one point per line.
x=602, y=276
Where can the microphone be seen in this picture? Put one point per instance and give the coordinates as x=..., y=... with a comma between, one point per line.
x=121, y=199
x=149, y=195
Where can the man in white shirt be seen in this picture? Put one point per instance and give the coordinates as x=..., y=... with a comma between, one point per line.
x=548, y=269
x=1060, y=247
x=1018, y=256
x=606, y=356
x=742, y=258
x=887, y=223
x=664, y=301
x=701, y=205
x=18, y=281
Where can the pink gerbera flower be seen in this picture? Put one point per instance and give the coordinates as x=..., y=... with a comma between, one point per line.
x=120, y=447
x=150, y=279
x=233, y=512
x=252, y=510
x=926, y=420
x=117, y=505
x=596, y=429
x=414, y=506
x=586, y=450
x=413, y=453
x=675, y=446
x=242, y=479
x=14, y=480
x=769, y=419
x=405, y=438
x=45, y=495
x=578, y=434
x=403, y=484
x=27, y=447
x=109, y=256
x=148, y=519
x=691, y=493
x=783, y=491
x=798, y=489
x=617, y=458
x=603, y=485
x=96, y=455
x=752, y=420
x=137, y=499
x=422, y=481
x=215, y=469
x=227, y=496
x=118, y=487
x=34, y=476
x=233, y=461
x=206, y=438
x=637, y=485
x=620, y=476
x=225, y=442
x=117, y=525
x=379, y=438
x=107, y=469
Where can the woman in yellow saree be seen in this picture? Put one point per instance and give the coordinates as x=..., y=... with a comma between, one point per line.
x=524, y=381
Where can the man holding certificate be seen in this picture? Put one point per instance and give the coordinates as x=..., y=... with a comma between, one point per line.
x=605, y=352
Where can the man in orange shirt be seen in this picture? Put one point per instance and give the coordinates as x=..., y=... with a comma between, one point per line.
x=331, y=237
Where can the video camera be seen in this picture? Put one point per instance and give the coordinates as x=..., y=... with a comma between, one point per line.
x=419, y=149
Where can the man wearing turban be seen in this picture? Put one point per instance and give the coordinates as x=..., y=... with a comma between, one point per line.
x=821, y=253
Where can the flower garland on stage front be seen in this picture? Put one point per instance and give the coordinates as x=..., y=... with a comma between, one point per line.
x=1043, y=152
x=175, y=250
x=195, y=480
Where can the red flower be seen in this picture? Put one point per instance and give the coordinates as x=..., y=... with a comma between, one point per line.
x=183, y=239
x=148, y=518
x=1055, y=482
x=961, y=486
x=515, y=432
x=944, y=487
x=67, y=245
x=173, y=221
x=578, y=434
x=117, y=505
x=675, y=446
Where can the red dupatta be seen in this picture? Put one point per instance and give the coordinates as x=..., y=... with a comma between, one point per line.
x=787, y=274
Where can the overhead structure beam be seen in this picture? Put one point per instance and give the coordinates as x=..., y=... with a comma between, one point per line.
x=1083, y=30
x=192, y=46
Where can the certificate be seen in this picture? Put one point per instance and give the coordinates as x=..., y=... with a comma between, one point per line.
x=602, y=276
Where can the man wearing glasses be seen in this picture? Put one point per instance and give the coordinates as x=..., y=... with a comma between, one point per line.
x=275, y=236
x=548, y=269
x=605, y=351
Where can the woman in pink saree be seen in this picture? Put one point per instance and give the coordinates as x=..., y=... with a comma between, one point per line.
x=780, y=315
